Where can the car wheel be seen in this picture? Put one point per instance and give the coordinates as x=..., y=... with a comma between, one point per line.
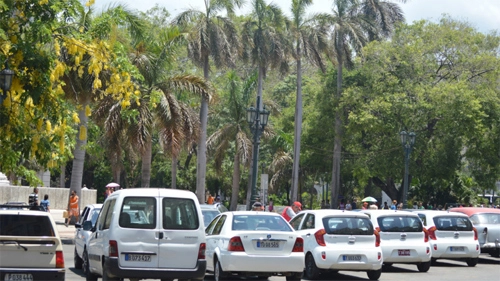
x=312, y=271
x=296, y=276
x=86, y=268
x=424, y=266
x=495, y=253
x=472, y=262
x=433, y=261
x=218, y=272
x=374, y=274
x=77, y=260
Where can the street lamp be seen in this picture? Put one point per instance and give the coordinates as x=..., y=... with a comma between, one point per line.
x=6, y=76
x=257, y=119
x=407, y=140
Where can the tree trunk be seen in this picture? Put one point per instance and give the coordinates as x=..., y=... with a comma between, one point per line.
x=146, y=163
x=62, y=176
x=79, y=153
x=201, y=167
x=236, y=183
x=174, y=172
x=337, y=145
x=298, y=128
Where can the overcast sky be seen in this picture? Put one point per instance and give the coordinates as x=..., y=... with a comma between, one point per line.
x=482, y=14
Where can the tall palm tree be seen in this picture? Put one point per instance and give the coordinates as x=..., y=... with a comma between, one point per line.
x=310, y=42
x=211, y=37
x=353, y=23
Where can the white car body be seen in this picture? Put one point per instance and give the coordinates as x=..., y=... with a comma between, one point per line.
x=253, y=243
x=89, y=213
x=148, y=233
x=338, y=240
x=403, y=238
x=210, y=211
x=451, y=235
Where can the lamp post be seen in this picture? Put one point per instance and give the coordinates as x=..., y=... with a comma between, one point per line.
x=6, y=76
x=257, y=119
x=407, y=140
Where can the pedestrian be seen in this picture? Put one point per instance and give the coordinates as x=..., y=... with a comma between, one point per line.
x=385, y=207
x=291, y=211
x=84, y=187
x=73, y=209
x=271, y=205
x=365, y=205
x=257, y=206
x=394, y=205
x=348, y=206
x=108, y=192
x=342, y=204
x=45, y=203
x=33, y=198
x=354, y=205
x=210, y=199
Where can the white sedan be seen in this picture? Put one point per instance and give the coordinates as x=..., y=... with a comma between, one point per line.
x=250, y=243
x=336, y=240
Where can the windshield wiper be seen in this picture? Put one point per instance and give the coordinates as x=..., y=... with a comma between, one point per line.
x=14, y=243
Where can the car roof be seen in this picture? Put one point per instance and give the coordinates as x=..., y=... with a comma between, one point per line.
x=440, y=213
x=379, y=213
x=329, y=212
x=94, y=206
x=25, y=212
x=474, y=210
x=253, y=213
x=141, y=191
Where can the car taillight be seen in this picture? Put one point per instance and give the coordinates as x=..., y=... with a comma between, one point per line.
x=299, y=245
x=113, y=248
x=59, y=259
x=379, y=256
x=377, y=229
x=475, y=233
x=432, y=233
x=426, y=235
x=377, y=238
x=201, y=251
x=235, y=245
x=320, y=239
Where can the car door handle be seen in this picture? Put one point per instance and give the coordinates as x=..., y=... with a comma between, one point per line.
x=160, y=235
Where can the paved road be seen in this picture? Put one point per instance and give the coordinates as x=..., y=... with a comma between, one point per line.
x=445, y=270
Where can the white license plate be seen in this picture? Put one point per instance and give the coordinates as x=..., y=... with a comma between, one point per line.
x=18, y=277
x=351, y=257
x=457, y=249
x=268, y=244
x=137, y=257
x=403, y=252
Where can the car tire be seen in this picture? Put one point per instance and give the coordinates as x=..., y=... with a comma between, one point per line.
x=424, y=266
x=312, y=271
x=472, y=262
x=374, y=274
x=296, y=276
x=77, y=260
x=86, y=268
x=219, y=274
x=495, y=253
x=433, y=261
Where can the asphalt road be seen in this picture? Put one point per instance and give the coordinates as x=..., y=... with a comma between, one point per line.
x=488, y=268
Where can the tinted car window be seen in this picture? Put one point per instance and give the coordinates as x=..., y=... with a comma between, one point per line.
x=295, y=222
x=485, y=219
x=138, y=212
x=210, y=227
x=256, y=222
x=179, y=213
x=105, y=219
x=452, y=224
x=219, y=225
x=22, y=225
x=348, y=226
x=399, y=224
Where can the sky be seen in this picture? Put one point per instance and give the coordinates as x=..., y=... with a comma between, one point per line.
x=482, y=14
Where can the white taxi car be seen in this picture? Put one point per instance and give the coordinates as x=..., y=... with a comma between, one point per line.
x=403, y=238
x=451, y=236
x=250, y=243
x=337, y=240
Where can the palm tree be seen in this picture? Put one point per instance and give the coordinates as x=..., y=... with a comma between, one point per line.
x=215, y=37
x=309, y=42
x=353, y=23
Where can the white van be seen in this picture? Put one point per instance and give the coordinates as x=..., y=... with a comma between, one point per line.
x=147, y=233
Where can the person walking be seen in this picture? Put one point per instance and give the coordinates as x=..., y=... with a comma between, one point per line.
x=45, y=203
x=73, y=209
x=291, y=211
x=33, y=198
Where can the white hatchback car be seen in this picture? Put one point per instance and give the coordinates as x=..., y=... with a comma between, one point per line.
x=336, y=240
x=451, y=236
x=250, y=243
x=89, y=213
x=403, y=238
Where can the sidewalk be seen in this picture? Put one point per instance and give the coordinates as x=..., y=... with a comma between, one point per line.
x=66, y=233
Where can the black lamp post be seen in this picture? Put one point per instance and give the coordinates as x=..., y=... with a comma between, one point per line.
x=407, y=140
x=257, y=119
x=6, y=76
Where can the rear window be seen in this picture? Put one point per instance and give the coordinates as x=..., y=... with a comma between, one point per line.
x=138, y=212
x=256, y=222
x=452, y=224
x=25, y=225
x=400, y=224
x=179, y=213
x=485, y=219
x=348, y=226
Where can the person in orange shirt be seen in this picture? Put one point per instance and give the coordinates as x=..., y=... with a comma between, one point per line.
x=210, y=199
x=73, y=209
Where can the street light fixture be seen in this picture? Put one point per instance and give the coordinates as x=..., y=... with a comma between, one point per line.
x=257, y=119
x=407, y=140
x=6, y=76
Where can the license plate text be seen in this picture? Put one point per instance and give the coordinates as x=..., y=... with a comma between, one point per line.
x=137, y=257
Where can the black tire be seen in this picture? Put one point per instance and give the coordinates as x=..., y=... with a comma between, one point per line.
x=424, y=266
x=311, y=272
x=77, y=260
x=433, y=261
x=472, y=262
x=167, y=279
x=374, y=274
x=86, y=268
x=495, y=253
x=296, y=276
x=219, y=274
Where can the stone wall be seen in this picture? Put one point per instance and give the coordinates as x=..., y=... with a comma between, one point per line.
x=58, y=197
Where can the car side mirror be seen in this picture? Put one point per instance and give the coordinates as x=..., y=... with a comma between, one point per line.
x=87, y=225
x=78, y=225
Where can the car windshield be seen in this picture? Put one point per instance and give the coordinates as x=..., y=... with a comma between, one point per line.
x=25, y=225
x=259, y=222
x=485, y=219
x=94, y=215
x=209, y=215
x=400, y=224
x=347, y=226
x=452, y=224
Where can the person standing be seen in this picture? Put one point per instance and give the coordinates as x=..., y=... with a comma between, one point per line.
x=385, y=207
x=73, y=209
x=291, y=211
x=342, y=204
x=271, y=205
x=210, y=199
x=354, y=205
x=394, y=205
x=33, y=198
x=45, y=203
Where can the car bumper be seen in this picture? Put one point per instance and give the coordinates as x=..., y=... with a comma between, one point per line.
x=445, y=251
x=113, y=268
x=241, y=262
x=335, y=260
x=417, y=254
x=38, y=274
